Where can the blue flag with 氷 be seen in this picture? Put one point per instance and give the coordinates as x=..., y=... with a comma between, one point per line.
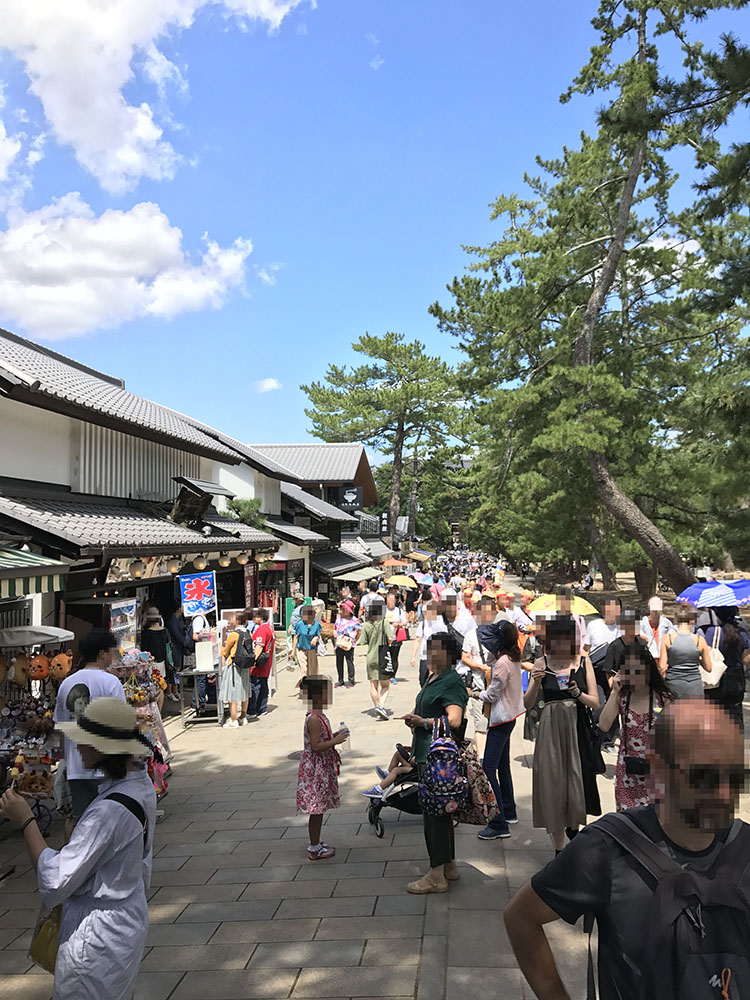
x=198, y=593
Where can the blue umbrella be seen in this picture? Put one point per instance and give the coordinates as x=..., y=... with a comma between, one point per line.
x=428, y=580
x=694, y=593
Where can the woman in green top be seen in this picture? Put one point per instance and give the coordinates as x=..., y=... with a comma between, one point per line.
x=444, y=693
x=377, y=632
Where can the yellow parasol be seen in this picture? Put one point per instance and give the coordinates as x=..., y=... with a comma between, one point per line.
x=401, y=581
x=549, y=603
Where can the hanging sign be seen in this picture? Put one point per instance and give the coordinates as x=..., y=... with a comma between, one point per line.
x=198, y=593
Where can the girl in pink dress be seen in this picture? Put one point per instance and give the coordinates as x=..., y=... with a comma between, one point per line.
x=317, y=783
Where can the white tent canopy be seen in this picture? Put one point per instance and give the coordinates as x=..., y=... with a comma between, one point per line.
x=33, y=635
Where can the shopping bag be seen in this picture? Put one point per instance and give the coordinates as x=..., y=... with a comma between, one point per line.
x=481, y=805
x=385, y=662
x=718, y=663
x=43, y=949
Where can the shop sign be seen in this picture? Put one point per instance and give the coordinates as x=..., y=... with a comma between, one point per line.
x=350, y=498
x=198, y=593
x=155, y=566
x=123, y=621
x=385, y=522
x=250, y=584
x=273, y=567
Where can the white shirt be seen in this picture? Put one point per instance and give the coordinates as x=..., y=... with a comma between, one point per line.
x=665, y=627
x=463, y=622
x=101, y=877
x=199, y=624
x=396, y=616
x=426, y=628
x=522, y=621
x=471, y=646
x=73, y=695
x=598, y=633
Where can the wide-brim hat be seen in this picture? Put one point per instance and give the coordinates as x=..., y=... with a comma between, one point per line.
x=152, y=615
x=109, y=725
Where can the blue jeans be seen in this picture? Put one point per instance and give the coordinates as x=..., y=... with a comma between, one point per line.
x=258, y=695
x=497, y=768
x=201, y=685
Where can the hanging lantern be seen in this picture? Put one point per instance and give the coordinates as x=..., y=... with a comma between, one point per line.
x=242, y=559
x=224, y=560
x=137, y=569
x=200, y=562
x=173, y=565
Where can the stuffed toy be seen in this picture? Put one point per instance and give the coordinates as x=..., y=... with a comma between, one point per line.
x=39, y=667
x=19, y=670
x=61, y=666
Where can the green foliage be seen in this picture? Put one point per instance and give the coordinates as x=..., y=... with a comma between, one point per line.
x=247, y=511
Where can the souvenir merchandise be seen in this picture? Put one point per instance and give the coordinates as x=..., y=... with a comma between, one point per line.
x=143, y=683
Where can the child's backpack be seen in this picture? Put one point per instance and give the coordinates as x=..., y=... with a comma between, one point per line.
x=443, y=787
x=697, y=928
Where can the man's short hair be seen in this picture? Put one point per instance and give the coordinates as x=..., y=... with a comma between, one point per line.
x=97, y=641
x=374, y=586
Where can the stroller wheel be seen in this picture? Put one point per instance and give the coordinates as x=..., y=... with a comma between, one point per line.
x=372, y=813
x=379, y=827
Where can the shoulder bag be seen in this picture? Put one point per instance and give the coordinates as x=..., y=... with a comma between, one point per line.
x=718, y=663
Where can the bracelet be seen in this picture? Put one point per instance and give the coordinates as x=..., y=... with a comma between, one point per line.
x=577, y=696
x=425, y=723
x=31, y=819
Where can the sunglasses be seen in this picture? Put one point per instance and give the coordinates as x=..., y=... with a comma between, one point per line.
x=709, y=777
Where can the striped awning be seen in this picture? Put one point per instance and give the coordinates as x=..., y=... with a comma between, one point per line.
x=25, y=573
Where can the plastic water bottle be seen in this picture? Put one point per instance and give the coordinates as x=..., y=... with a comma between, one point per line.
x=347, y=744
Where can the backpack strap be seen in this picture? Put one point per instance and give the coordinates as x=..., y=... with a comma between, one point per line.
x=133, y=807
x=734, y=857
x=588, y=928
x=628, y=835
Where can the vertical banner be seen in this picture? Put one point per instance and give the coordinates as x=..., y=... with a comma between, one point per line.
x=123, y=621
x=250, y=585
x=198, y=593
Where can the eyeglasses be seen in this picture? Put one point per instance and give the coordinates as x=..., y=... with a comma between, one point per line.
x=709, y=777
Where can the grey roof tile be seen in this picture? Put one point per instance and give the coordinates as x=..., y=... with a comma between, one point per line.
x=295, y=532
x=317, y=461
x=315, y=505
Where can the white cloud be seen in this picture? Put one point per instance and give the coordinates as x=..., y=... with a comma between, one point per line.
x=78, y=56
x=64, y=271
x=376, y=62
x=267, y=274
x=373, y=39
x=267, y=385
x=10, y=145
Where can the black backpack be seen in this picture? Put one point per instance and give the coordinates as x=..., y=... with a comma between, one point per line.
x=244, y=654
x=697, y=928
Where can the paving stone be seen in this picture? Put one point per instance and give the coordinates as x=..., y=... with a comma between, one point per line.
x=22, y=941
x=403, y=951
x=297, y=855
x=155, y=985
x=303, y=954
x=394, y=886
x=235, y=985
x=462, y=938
x=341, y=906
x=289, y=890
x=190, y=876
x=239, y=835
x=436, y=914
x=408, y=869
x=432, y=969
x=496, y=982
x=340, y=928
x=391, y=906
x=253, y=874
x=9, y=934
x=213, y=893
x=251, y=909
x=26, y=987
x=323, y=870
x=14, y=962
x=186, y=958
x=165, y=913
x=195, y=850
x=169, y=864
x=356, y=982
x=388, y=853
x=300, y=832
x=165, y=935
x=256, y=931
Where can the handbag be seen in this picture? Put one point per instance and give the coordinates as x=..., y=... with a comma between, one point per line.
x=344, y=642
x=481, y=805
x=401, y=634
x=443, y=787
x=44, y=942
x=718, y=663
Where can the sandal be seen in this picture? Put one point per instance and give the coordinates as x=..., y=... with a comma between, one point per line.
x=424, y=885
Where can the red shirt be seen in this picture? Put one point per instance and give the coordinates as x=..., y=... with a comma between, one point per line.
x=264, y=635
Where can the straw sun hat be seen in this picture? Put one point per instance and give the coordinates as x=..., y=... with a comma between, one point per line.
x=110, y=726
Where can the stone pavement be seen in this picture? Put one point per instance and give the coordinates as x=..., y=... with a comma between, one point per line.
x=238, y=911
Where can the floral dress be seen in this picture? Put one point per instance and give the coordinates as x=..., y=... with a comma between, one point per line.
x=632, y=789
x=317, y=782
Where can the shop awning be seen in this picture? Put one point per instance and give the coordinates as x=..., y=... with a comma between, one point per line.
x=296, y=533
x=23, y=573
x=379, y=549
x=417, y=556
x=334, y=562
x=355, y=575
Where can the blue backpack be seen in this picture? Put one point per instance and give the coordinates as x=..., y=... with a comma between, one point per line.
x=443, y=787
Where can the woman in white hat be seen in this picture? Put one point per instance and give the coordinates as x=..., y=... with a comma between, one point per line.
x=102, y=874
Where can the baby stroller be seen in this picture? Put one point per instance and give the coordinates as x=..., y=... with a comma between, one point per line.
x=402, y=795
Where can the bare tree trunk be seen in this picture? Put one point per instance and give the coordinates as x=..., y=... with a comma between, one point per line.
x=630, y=516
x=609, y=581
x=413, y=494
x=396, y=472
x=645, y=579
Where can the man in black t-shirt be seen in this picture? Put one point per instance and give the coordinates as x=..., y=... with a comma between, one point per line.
x=698, y=766
x=616, y=650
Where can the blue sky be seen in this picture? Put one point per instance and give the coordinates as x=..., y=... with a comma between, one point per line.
x=355, y=144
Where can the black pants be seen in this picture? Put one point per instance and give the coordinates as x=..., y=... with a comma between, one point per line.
x=438, y=835
x=395, y=648
x=348, y=655
x=422, y=672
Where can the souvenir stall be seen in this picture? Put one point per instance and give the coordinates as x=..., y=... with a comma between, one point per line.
x=144, y=686
x=33, y=662
x=198, y=594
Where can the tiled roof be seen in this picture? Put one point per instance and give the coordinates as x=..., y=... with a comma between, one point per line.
x=243, y=533
x=295, y=532
x=40, y=376
x=317, y=462
x=88, y=522
x=315, y=505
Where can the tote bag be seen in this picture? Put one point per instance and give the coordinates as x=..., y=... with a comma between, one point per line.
x=718, y=663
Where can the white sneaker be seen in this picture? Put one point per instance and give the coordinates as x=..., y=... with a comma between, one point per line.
x=243, y=720
x=231, y=724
